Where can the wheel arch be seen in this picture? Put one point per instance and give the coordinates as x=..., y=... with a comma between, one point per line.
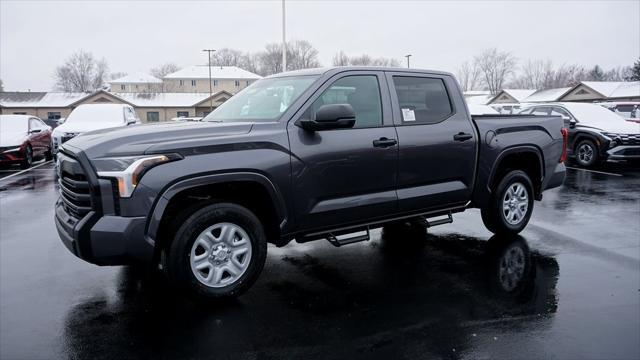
x=252, y=190
x=527, y=158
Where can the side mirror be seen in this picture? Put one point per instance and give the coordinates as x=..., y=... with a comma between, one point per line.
x=572, y=123
x=131, y=122
x=330, y=116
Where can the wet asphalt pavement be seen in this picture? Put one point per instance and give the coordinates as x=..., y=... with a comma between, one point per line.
x=404, y=295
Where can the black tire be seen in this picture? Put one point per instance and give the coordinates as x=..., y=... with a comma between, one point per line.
x=587, y=153
x=28, y=158
x=494, y=216
x=178, y=258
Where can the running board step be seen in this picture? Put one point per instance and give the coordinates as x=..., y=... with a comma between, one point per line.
x=429, y=223
x=346, y=239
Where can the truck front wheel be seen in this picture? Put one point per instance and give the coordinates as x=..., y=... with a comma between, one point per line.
x=218, y=252
x=511, y=204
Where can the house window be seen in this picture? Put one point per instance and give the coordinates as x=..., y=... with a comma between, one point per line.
x=193, y=83
x=247, y=83
x=215, y=82
x=237, y=83
x=136, y=87
x=149, y=86
x=19, y=113
x=53, y=115
x=183, y=114
x=153, y=116
x=181, y=82
x=122, y=87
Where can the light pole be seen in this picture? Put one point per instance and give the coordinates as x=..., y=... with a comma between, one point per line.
x=209, y=51
x=284, y=41
x=408, y=56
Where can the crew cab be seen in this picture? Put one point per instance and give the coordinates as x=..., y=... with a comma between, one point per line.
x=305, y=155
x=596, y=134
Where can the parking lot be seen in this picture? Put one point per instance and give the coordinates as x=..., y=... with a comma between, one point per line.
x=397, y=296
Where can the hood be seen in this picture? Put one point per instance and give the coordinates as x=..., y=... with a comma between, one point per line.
x=154, y=138
x=83, y=126
x=11, y=138
x=618, y=127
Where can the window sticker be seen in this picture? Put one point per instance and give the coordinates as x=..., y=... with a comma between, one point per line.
x=408, y=115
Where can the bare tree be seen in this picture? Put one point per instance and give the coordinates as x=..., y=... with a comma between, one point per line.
x=117, y=75
x=271, y=59
x=164, y=70
x=495, y=66
x=635, y=72
x=469, y=75
x=227, y=57
x=250, y=62
x=301, y=55
x=81, y=73
x=340, y=59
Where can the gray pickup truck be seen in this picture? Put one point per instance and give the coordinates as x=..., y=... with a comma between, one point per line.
x=304, y=155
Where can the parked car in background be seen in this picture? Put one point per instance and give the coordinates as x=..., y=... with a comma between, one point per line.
x=477, y=109
x=89, y=117
x=595, y=133
x=23, y=138
x=628, y=110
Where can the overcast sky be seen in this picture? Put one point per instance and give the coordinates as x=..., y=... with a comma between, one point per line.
x=36, y=36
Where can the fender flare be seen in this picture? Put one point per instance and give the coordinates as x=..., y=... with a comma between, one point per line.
x=165, y=197
x=511, y=150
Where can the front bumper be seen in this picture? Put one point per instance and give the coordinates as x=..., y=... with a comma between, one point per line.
x=11, y=157
x=624, y=152
x=88, y=221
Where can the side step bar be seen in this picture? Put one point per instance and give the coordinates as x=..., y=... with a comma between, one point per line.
x=436, y=222
x=339, y=240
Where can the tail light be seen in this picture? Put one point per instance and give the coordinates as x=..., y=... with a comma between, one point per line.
x=565, y=143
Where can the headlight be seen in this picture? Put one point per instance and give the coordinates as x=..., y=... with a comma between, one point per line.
x=128, y=170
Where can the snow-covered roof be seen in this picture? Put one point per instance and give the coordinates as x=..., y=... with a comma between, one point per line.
x=217, y=72
x=547, y=95
x=165, y=99
x=39, y=99
x=478, y=99
x=476, y=92
x=519, y=94
x=139, y=78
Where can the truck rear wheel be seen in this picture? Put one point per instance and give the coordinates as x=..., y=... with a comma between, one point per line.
x=218, y=252
x=511, y=204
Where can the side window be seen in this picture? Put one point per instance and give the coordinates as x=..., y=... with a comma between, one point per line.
x=362, y=92
x=422, y=100
x=559, y=112
x=34, y=124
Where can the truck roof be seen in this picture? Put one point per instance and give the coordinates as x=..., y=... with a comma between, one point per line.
x=337, y=69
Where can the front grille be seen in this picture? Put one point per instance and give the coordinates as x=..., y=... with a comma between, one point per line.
x=75, y=191
x=625, y=139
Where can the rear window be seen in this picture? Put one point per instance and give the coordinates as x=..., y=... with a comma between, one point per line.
x=422, y=100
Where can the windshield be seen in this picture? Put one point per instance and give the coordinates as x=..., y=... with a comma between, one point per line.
x=628, y=111
x=264, y=100
x=13, y=124
x=97, y=113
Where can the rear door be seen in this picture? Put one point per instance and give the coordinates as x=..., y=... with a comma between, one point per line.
x=341, y=176
x=437, y=154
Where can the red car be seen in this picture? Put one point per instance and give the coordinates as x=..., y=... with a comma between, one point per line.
x=23, y=138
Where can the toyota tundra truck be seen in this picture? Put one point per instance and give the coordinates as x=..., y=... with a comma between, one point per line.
x=304, y=155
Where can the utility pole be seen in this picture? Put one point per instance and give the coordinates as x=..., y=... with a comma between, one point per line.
x=408, y=56
x=209, y=51
x=284, y=41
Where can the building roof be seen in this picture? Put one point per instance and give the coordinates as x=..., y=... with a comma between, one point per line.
x=519, y=94
x=139, y=78
x=167, y=99
x=478, y=99
x=547, y=95
x=39, y=99
x=615, y=89
x=217, y=72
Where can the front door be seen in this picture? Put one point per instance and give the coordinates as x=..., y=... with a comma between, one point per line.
x=340, y=176
x=437, y=158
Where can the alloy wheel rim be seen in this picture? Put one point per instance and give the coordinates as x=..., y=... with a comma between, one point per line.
x=511, y=269
x=585, y=153
x=515, y=203
x=220, y=255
